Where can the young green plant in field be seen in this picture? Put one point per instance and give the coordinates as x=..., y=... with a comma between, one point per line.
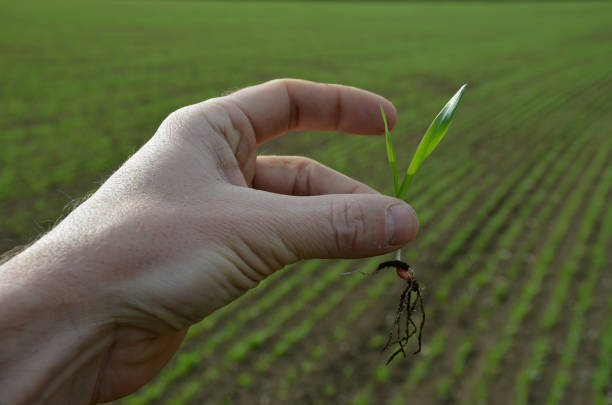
x=430, y=140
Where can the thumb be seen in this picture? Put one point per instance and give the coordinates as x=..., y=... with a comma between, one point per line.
x=343, y=225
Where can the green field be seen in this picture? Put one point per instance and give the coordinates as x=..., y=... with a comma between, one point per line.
x=515, y=245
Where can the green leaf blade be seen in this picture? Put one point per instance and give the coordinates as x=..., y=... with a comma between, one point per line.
x=390, y=152
x=436, y=131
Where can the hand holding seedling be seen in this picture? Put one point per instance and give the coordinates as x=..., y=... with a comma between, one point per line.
x=96, y=307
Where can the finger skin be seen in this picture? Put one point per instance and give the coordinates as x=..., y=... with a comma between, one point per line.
x=330, y=226
x=300, y=176
x=283, y=105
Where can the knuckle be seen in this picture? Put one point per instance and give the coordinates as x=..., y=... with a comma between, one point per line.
x=281, y=82
x=304, y=168
x=235, y=125
x=176, y=123
x=348, y=224
x=178, y=117
x=187, y=123
x=303, y=162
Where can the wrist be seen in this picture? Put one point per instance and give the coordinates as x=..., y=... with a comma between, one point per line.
x=52, y=343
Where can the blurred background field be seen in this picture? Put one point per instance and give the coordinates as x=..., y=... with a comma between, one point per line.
x=516, y=227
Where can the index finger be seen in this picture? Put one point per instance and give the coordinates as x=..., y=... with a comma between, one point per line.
x=283, y=105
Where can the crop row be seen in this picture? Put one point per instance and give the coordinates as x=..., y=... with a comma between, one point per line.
x=502, y=287
x=602, y=376
x=528, y=199
x=495, y=214
x=464, y=347
x=584, y=294
x=491, y=362
x=544, y=213
x=532, y=194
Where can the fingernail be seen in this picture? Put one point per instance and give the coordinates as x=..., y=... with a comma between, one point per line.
x=402, y=224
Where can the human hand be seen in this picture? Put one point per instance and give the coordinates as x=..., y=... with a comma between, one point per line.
x=195, y=218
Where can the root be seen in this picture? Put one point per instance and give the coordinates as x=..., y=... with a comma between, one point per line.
x=409, y=306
